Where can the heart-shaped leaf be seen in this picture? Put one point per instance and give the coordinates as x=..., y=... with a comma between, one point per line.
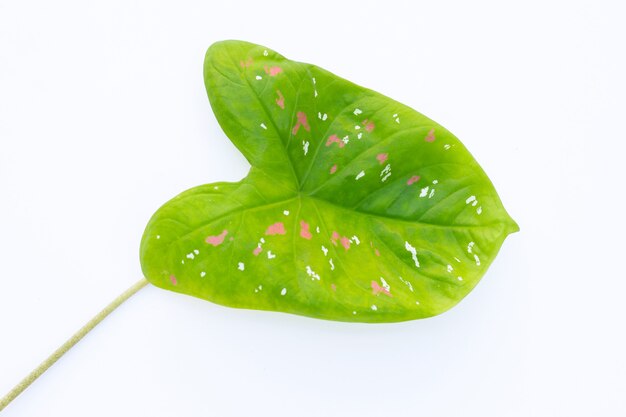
x=356, y=208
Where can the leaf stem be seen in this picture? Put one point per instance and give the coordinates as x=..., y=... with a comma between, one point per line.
x=43, y=367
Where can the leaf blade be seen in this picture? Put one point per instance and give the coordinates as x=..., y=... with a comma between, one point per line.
x=389, y=218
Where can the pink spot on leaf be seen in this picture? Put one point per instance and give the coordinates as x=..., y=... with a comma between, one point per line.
x=280, y=100
x=369, y=125
x=257, y=250
x=333, y=169
x=335, y=139
x=276, y=229
x=216, y=240
x=377, y=289
x=382, y=157
x=345, y=242
x=413, y=179
x=304, y=230
x=173, y=280
x=301, y=116
x=431, y=136
x=245, y=64
x=333, y=287
x=375, y=249
x=273, y=71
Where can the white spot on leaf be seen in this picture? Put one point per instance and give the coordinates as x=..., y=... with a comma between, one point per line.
x=470, y=246
x=385, y=173
x=410, y=248
x=359, y=175
x=407, y=283
x=384, y=284
x=310, y=272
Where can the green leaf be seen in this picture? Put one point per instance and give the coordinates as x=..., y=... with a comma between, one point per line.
x=356, y=208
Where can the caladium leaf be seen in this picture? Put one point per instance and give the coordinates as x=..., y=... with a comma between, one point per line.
x=356, y=208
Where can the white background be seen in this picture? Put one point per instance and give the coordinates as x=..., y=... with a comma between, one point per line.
x=104, y=117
